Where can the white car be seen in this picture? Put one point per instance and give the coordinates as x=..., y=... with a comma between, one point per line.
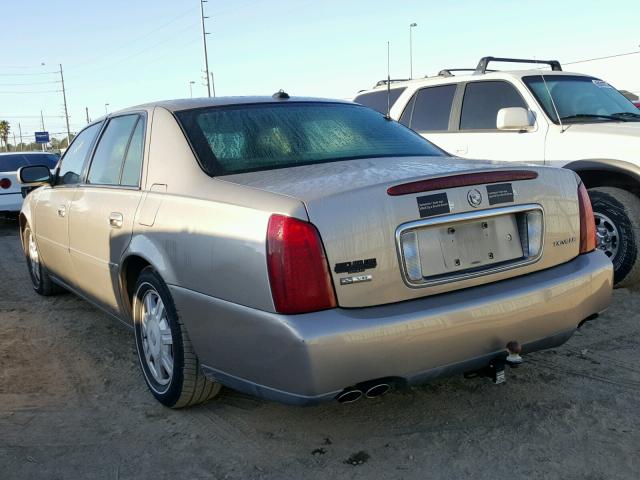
x=565, y=119
x=10, y=191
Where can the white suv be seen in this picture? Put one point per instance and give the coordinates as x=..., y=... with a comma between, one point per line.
x=565, y=119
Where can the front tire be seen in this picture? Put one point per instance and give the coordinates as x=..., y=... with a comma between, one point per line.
x=617, y=216
x=169, y=364
x=40, y=279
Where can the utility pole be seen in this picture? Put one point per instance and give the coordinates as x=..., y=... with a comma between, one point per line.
x=42, y=120
x=213, y=86
x=86, y=111
x=66, y=112
x=20, y=128
x=204, y=42
x=15, y=144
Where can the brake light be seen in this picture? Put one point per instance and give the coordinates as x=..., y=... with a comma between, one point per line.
x=5, y=183
x=461, y=180
x=587, y=222
x=298, y=269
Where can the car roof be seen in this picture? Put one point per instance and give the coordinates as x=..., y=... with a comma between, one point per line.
x=180, y=104
x=493, y=75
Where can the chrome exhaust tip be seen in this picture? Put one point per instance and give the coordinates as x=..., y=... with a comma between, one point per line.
x=377, y=390
x=350, y=395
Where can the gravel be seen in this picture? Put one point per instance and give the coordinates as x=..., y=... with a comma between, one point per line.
x=73, y=404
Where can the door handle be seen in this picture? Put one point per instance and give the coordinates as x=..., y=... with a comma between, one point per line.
x=62, y=210
x=115, y=220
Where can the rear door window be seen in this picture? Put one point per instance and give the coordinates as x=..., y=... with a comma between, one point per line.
x=108, y=158
x=481, y=103
x=378, y=99
x=432, y=109
x=76, y=154
x=133, y=160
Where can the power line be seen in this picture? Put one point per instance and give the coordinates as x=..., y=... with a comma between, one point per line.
x=132, y=41
x=31, y=92
x=601, y=58
x=28, y=84
x=26, y=74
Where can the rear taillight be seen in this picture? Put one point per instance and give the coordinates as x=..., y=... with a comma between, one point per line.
x=298, y=269
x=587, y=222
x=5, y=183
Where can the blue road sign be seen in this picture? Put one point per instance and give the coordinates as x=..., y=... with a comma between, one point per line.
x=42, y=137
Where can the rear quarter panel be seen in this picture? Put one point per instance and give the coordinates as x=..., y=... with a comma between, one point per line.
x=201, y=233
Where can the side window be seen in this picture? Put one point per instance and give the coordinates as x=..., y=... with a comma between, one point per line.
x=433, y=108
x=74, y=157
x=133, y=160
x=112, y=147
x=405, y=118
x=378, y=99
x=481, y=103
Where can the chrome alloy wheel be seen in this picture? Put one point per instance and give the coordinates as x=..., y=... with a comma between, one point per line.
x=34, y=259
x=607, y=236
x=157, y=342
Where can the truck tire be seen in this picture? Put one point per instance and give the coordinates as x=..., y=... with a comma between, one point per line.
x=169, y=364
x=40, y=279
x=617, y=215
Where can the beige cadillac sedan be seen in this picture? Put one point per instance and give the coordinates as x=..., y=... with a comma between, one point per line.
x=305, y=250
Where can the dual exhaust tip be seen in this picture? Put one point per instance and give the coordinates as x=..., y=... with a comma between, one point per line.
x=368, y=390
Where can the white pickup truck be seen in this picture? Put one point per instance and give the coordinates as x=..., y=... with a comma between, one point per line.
x=542, y=116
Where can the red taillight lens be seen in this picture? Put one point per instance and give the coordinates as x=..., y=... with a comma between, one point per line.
x=461, y=180
x=587, y=223
x=5, y=183
x=298, y=269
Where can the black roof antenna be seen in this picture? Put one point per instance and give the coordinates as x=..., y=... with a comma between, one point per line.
x=280, y=95
x=388, y=115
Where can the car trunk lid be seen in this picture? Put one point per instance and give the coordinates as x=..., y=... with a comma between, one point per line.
x=401, y=228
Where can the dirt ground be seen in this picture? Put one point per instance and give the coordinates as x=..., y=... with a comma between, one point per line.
x=73, y=405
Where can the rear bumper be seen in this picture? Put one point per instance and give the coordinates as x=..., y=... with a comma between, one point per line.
x=10, y=202
x=304, y=359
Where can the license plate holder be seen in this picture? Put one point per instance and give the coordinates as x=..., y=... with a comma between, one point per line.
x=469, y=245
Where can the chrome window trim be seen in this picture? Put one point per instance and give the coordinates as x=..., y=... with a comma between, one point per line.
x=460, y=217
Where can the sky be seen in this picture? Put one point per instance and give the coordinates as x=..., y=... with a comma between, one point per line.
x=127, y=52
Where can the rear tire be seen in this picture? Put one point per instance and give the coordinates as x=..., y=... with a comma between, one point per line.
x=617, y=214
x=38, y=273
x=169, y=364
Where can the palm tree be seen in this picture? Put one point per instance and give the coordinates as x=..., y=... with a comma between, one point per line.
x=4, y=132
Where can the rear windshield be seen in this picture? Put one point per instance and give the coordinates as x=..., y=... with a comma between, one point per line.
x=246, y=138
x=12, y=162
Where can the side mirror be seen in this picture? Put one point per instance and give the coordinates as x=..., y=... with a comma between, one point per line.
x=34, y=175
x=515, y=119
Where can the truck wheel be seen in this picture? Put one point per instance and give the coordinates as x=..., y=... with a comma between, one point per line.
x=168, y=361
x=617, y=216
x=38, y=273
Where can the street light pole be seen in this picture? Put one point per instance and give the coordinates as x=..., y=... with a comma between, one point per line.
x=204, y=42
x=20, y=128
x=191, y=88
x=411, y=26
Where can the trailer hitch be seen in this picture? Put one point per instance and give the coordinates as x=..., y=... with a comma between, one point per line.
x=496, y=369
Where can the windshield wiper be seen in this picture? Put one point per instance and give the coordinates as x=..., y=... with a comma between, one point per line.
x=626, y=115
x=581, y=116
